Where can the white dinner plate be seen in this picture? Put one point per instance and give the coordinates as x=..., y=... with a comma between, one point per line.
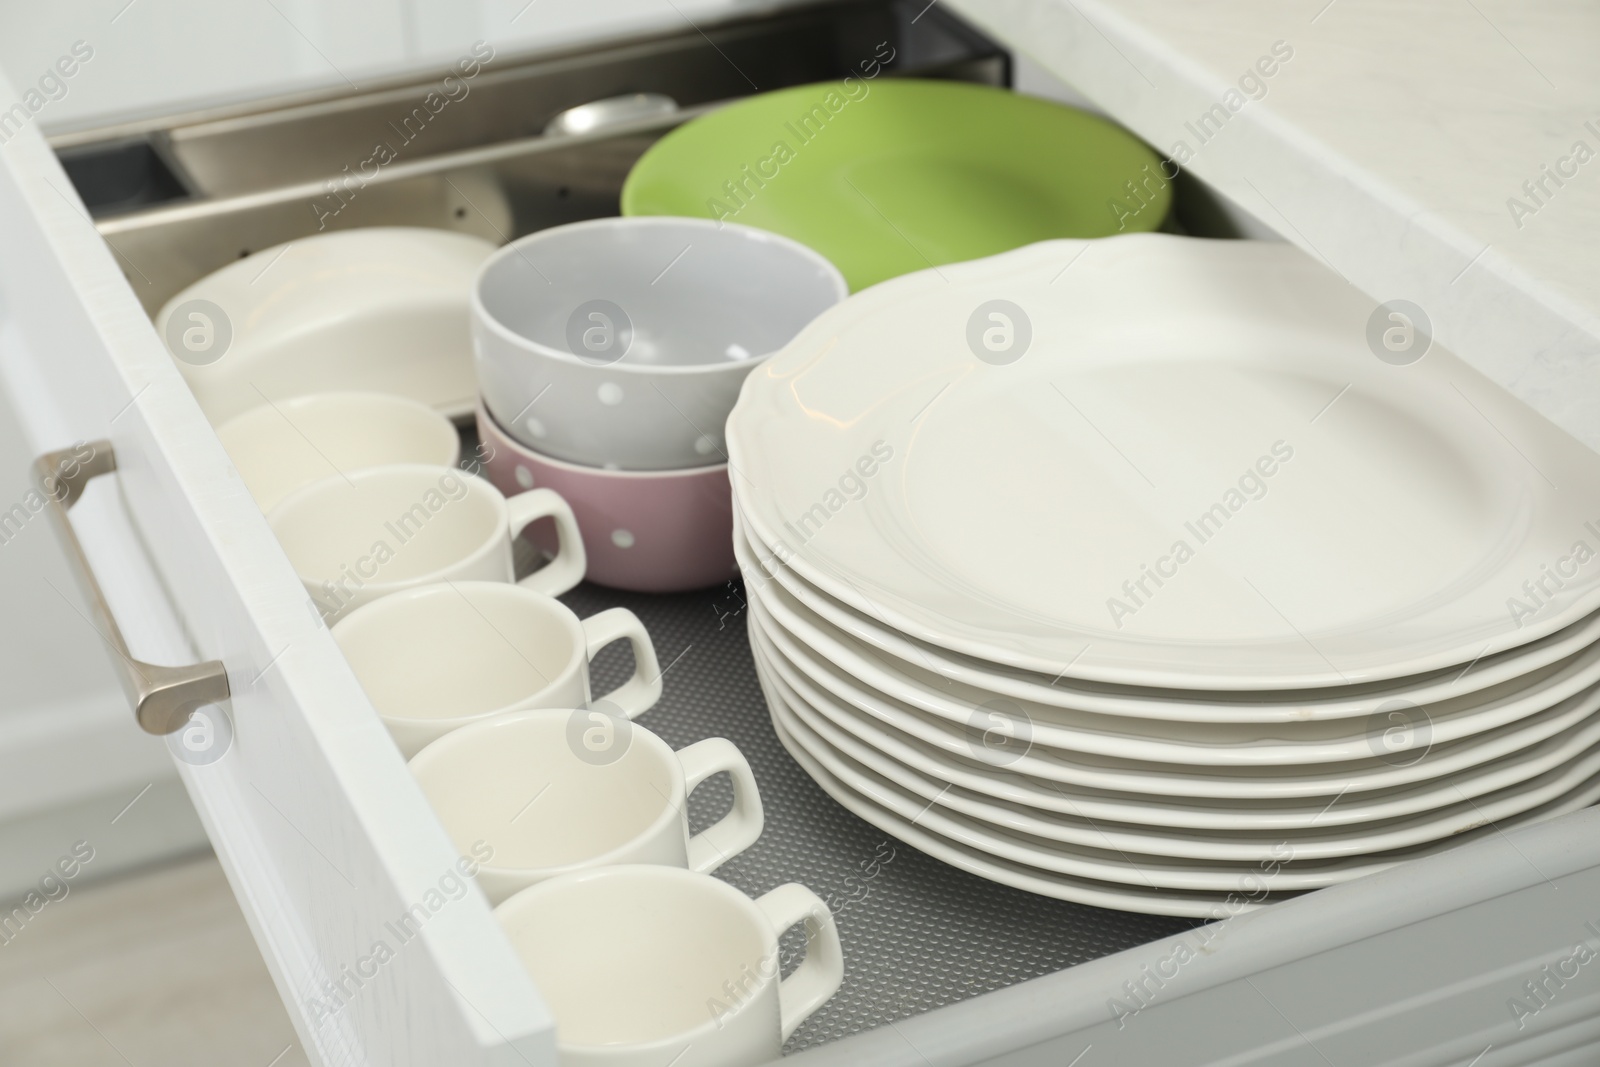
x=1079, y=861
x=974, y=755
x=1054, y=726
x=844, y=667
x=1020, y=876
x=1281, y=874
x=760, y=566
x=890, y=749
x=1369, y=842
x=1112, y=860
x=1195, y=473
x=1567, y=735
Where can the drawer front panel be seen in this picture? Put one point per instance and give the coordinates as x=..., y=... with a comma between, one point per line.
x=379, y=946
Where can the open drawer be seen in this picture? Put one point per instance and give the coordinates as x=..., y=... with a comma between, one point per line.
x=352, y=888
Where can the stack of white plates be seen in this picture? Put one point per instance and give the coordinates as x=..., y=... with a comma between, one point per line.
x=1126, y=572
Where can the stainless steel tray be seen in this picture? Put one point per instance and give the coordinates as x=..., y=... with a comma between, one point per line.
x=179, y=198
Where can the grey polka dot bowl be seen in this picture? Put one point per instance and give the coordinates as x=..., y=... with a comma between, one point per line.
x=621, y=343
x=645, y=531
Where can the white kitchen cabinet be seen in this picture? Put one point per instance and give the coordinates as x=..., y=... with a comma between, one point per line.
x=71, y=759
x=329, y=844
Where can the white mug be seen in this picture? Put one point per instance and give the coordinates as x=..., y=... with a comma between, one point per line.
x=648, y=966
x=437, y=657
x=559, y=790
x=359, y=536
x=284, y=445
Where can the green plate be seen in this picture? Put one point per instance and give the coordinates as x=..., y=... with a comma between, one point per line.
x=891, y=176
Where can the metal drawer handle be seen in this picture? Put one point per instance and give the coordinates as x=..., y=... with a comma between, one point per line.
x=163, y=697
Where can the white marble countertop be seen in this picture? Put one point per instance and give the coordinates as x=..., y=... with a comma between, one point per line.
x=1427, y=150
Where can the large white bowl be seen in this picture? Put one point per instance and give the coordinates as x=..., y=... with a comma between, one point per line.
x=622, y=342
x=382, y=309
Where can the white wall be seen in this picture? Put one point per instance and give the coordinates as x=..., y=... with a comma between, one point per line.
x=153, y=57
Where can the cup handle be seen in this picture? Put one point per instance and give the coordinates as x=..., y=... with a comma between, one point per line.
x=639, y=693
x=737, y=830
x=567, y=568
x=819, y=975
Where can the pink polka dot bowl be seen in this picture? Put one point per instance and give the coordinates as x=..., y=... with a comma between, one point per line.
x=645, y=531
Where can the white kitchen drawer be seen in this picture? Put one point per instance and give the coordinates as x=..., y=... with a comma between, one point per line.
x=328, y=843
x=323, y=834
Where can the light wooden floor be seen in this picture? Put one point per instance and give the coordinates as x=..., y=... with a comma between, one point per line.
x=153, y=969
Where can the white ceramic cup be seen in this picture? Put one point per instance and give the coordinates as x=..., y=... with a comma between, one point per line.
x=435, y=658
x=284, y=445
x=648, y=966
x=556, y=790
x=363, y=535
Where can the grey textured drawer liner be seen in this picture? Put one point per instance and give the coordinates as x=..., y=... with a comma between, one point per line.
x=917, y=933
